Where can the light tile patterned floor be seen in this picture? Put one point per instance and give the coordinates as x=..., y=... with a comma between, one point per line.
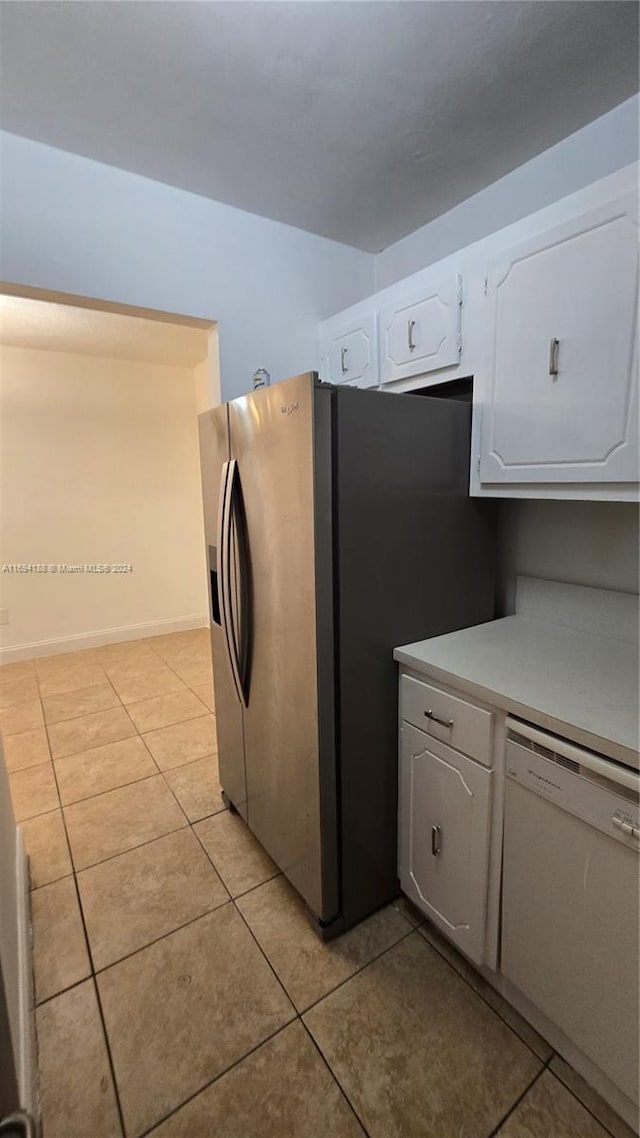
x=181, y=992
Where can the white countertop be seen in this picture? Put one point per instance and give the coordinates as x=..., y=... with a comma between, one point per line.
x=577, y=683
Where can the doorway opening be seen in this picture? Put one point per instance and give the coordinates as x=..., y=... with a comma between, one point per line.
x=101, y=533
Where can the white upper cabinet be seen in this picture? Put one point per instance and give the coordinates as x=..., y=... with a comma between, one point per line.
x=350, y=351
x=561, y=390
x=422, y=333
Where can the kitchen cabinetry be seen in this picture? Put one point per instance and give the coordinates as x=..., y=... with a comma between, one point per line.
x=421, y=333
x=562, y=387
x=445, y=813
x=350, y=351
x=548, y=332
x=518, y=743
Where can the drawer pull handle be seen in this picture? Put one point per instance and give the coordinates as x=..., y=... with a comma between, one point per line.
x=436, y=835
x=436, y=719
x=410, y=341
x=343, y=356
x=554, y=348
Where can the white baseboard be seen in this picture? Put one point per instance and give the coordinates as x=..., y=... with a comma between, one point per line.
x=27, y=1069
x=105, y=636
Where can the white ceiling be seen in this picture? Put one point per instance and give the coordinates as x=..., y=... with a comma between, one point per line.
x=360, y=121
x=26, y=323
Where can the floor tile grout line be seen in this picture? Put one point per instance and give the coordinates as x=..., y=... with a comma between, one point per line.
x=245, y=892
x=111, y=789
x=116, y=1088
x=62, y=992
x=163, y=936
x=139, y=845
x=70, y=718
x=31, y=767
x=252, y=889
x=351, y=975
x=496, y=1130
x=271, y=967
x=583, y=1104
x=490, y=1006
x=220, y=1075
x=109, y=681
x=68, y=806
x=178, y=722
x=174, y=723
x=54, y=881
x=336, y=1080
x=139, y=735
x=93, y=974
x=120, y=786
x=362, y=968
x=172, y=791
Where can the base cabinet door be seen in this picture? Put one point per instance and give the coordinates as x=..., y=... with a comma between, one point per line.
x=445, y=813
x=562, y=399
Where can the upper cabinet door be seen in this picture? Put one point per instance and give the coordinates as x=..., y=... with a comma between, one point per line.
x=562, y=387
x=422, y=334
x=351, y=353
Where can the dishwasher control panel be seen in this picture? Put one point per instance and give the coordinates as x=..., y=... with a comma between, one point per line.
x=579, y=791
x=627, y=823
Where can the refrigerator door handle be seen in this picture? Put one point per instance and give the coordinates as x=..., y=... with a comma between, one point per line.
x=224, y=567
x=222, y=498
x=231, y=633
x=241, y=635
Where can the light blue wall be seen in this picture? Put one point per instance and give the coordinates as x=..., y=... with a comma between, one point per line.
x=73, y=225
x=605, y=145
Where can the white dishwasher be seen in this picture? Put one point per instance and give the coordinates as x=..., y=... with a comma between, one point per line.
x=570, y=909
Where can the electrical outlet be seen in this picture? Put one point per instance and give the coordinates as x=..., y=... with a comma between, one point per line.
x=4, y=616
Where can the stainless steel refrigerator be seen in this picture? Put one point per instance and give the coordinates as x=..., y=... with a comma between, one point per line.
x=338, y=525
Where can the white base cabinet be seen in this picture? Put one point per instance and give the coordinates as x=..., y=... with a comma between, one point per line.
x=445, y=815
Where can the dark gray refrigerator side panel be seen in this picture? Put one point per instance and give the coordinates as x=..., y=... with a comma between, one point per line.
x=214, y=453
x=281, y=459
x=326, y=646
x=416, y=559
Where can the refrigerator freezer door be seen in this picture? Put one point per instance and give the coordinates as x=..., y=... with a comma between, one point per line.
x=214, y=460
x=281, y=439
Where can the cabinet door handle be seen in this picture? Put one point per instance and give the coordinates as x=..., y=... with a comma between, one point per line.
x=553, y=356
x=436, y=719
x=436, y=836
x=410, y=326
x=343, y=356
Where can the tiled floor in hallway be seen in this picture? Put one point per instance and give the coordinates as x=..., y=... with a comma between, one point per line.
x=180, y=991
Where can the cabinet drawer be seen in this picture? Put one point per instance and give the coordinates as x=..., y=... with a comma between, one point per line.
x=464, y=726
